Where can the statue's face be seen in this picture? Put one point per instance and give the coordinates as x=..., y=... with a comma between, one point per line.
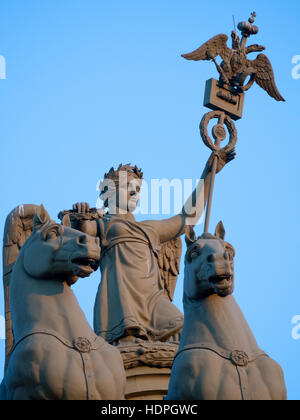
x=127, y=196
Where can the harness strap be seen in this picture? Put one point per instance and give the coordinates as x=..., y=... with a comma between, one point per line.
x=82, y=344
x=239, y=358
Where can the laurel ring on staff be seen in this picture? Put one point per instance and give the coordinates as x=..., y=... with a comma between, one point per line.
x=218, y=130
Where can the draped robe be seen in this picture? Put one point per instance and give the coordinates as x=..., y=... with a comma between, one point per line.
x=130, y=298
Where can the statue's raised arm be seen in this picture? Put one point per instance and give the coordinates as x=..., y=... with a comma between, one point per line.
x=193, y=208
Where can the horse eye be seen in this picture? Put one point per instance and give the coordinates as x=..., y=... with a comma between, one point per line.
x=51, y=235
x=195, y=253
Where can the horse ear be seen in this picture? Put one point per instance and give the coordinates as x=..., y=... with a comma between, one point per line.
x=41, y=216
x=220, y=231
x=66, y=220
x=190, y=236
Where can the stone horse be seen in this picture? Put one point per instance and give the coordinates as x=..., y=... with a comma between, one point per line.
x=218, y=357
x=56, y=355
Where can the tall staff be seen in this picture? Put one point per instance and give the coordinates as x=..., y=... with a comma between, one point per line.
x=219, y=134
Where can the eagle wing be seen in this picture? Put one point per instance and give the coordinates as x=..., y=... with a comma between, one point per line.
x=211, y=49
x=264, y=76
x=169, y=263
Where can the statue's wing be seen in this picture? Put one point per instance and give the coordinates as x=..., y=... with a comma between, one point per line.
x=264, y=76
x=169, y=263
x=211, y=49
x=18, y=228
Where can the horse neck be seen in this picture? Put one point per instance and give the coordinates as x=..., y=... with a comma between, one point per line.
x=43, y=305
x=217, y=321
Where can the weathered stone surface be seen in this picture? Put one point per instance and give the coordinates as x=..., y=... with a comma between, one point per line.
x=218, y=357
x=56, y=355
x=235, y=67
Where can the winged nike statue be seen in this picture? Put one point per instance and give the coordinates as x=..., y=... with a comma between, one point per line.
x=235, y=67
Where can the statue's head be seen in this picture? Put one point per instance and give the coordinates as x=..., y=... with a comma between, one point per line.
x=208, y=265
x=57, y=251
x=120, y=188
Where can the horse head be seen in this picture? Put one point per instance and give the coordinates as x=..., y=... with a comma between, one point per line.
x=208, y=266
x=57, y=251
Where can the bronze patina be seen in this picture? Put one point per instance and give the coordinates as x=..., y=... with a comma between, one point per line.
x=235, y=66
x=218, y=357
x=139, y=334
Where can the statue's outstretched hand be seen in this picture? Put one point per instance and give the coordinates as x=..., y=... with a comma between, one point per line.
x=81, y=207
x=223, y=156
x=84, y=220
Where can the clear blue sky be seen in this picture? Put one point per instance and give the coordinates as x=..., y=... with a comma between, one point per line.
x=92, y=83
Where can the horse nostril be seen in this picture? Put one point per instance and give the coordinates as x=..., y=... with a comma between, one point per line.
x=82, y=239
x=210, y=258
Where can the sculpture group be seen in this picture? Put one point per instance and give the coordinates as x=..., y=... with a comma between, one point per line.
x=53, y=353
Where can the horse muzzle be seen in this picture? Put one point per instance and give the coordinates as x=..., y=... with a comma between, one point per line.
x=222, y=284
x=85, y=263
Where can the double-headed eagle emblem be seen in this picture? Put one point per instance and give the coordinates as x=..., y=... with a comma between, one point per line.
x=235, y=67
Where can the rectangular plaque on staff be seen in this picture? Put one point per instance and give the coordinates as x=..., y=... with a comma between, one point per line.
x=223, y=99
